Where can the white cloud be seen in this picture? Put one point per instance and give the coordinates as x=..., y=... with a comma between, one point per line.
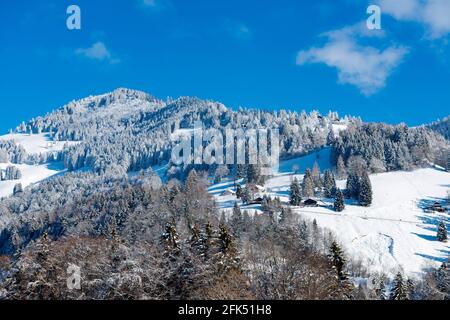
x=365, y=67
x=434, y=14
x=98, y=51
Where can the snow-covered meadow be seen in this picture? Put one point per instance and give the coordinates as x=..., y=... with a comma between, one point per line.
x=395, y=233
x=33, y=144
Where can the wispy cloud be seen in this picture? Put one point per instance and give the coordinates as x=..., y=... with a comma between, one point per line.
x=97, y=51
x=238, y=30
x=434, y=14
x=365, y=67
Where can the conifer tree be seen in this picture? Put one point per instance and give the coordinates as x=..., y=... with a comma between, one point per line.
x=381, y=289
x=239, y=191
x=339, y=204
x=338, y=261
x=442, y=235
x=246, y=195
x=170, y=237
x=329, y=184
x=399, y=291
x=236, y=219
x=352, y=188
x=308, y=184
x=295, y=197
x=365, y=190
x=227, y=249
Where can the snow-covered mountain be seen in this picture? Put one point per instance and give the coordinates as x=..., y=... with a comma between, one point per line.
x=67, y=159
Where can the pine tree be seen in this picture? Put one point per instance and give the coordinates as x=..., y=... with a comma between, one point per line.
x=339, y=204
x=442, y=235
x=308, y=184
x=246, y=221
x=365, y=190
x=399, y=291
x=329, y=184
x=246, y=195
x=170, y=237
x=236, y=219
x=352, y=188
x=381, y=289
x=338, y=261
x=227, y=249
x=239, y=191
x=295, y=197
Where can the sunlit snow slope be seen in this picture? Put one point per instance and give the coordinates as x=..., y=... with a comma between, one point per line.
x=33, y=144
x=394, y=234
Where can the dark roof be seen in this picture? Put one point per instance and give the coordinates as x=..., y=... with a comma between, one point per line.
x=310, y=201
x=437, y=204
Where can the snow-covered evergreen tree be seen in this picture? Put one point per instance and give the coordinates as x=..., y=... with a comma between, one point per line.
x=239, y=191
x=399, y=290
x=339, y=204
x=329, y=184
x=308, y=184
x=352, y=187
x=442, y=235
x=236, y=219
x=365, y=190
x=295, y=197
x=338, y=260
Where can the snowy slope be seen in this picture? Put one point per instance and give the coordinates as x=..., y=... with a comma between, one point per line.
x=36, y=143
x=30, y=174
x=395, y=233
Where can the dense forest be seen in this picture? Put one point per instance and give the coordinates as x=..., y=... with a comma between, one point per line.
x=137, y=235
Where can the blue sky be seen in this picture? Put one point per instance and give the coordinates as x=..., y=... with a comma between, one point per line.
x=252, y=53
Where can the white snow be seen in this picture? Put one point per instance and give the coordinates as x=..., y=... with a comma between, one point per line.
x=394, y=234
x=338, y=127
x=31, y=174
x=37, y=143
x=181, y=134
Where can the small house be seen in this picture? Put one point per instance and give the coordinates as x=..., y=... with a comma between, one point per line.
x=437, y=207
x=310, y=203
x=258, y=200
